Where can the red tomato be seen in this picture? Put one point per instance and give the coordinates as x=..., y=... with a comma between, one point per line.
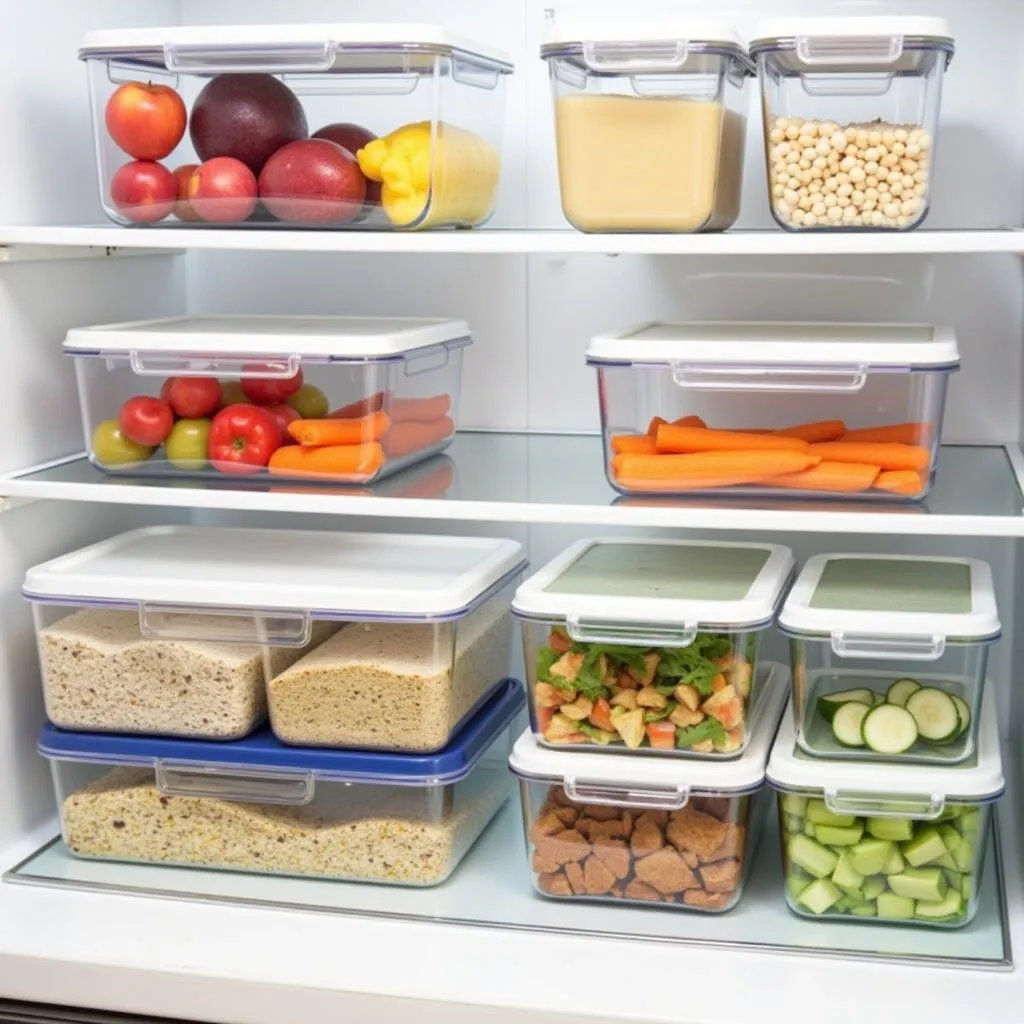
x=242, y=439
x=146, y=420
x=165, y=390
x=271, y=392
x=194, y=398
x=284, y=414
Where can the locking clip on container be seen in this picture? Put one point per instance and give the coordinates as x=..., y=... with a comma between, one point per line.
x=783, y=409
x=851, y=113
x=649, y=122
x=649, y=646
x=889, y=654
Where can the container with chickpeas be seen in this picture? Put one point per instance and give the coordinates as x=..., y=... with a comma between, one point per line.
x=851, y=108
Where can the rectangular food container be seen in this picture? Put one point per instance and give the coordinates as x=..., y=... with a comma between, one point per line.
x=257, y=805
x=773, y=409
x=851, y=115
x=373, y=641
x=640, y=830
x=650, y=120
x=330, y=399
x=650, y=646
x=328, y=126
x=888, y=655
x=887, y=843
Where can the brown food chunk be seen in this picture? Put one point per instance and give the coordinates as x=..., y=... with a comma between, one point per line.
x=659, y=818
x=637, y=890
x=601, y=812
x=557, y=796
x=720, y=807
x=584, y=825
x=554, y=884
x=666, y=871
x=722, y=876
x=732, y=844
x=691, y=860
x=616, y=891
x=566, y=815
x=615, y=854
x=575, y=875
x=598, y=877
x=697, y=832
x=567, y=846
x=548, y=823
x=627, y=823
x=544, y=865
x=708, y=900
x=646, y=838
x=606, y=830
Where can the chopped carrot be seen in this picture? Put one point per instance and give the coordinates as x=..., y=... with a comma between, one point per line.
x=652, y=427
x=316, y=433
x=815, y=433
x=840, y=477
x=361, y=407
x=708, y=469
x=419, y=410
x=662, y=735
x=895, y=433
x=352, y=461
x=601, y=715
x=901, y=481
x=633, y=444
x=718, y=683
x=888, y=455
x=559, y=642
x=544, y=716
x=672, y=439
x=689, y=421
x=408, y=437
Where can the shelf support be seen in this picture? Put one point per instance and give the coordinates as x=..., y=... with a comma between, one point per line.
x=26, y=253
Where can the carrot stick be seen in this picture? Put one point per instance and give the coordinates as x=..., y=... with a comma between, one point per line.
x=840, y=477
x=406, y=438
x=419, y=410
x=886, y=455
x=312, y=433
x=652, y=427
x=895, y=433
x=688, y=421
x=901, y=481
x=633, y=444
x=672, y=439
x=361, y=407
x=710, y=469
x=815, y=433
x=357, y=461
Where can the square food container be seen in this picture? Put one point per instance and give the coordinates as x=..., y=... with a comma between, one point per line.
x=293, y=398
x=794, y=408
x=330, y=126
x=851, y=114
x=648, y=646
x=640, y=830
x=373, y=641
x=649, y=123
x=256, y=805
x=888, y=655
x=888, y=844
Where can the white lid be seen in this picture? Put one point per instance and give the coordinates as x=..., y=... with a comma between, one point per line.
x=659, y=781
x=627, y=29
x=350, y=574
x=980, y=777
x=895, y=346
x=855, y=26
x=855, y=598
x=679, y=585
x=342, y=337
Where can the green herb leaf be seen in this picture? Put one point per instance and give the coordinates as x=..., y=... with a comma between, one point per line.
x=597, y=735
x=657, y=715
x=710, y=729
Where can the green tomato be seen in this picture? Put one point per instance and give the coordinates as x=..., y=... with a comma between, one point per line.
x=111, y=448
x=186, y=447
x=309, y=402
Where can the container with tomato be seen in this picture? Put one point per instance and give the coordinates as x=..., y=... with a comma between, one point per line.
x=323, y=399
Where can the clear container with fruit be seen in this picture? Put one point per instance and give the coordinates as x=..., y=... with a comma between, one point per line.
x=274, y=398
x=331, y=126
x=900, y=844
x=650, y=646
x=888, y=655
x=851, y=113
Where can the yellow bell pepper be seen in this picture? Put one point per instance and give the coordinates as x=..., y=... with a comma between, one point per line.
x=431, y=181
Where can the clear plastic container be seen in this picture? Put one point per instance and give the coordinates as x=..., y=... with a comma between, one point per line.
x=372, y=641
x=328, y=126
x=258, y=806
x=888, y=844
x=649, y=646
x=906, y=637
x=278, y=398
x=851, y=115
x=879, y=390
x=642, y=831
x=649, y=123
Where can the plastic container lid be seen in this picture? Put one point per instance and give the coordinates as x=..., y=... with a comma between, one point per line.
x=861, y=346
x=330, y=337
x=263, y=750
x=772, y=31
x=921, y=789
x=678, y=585
x=921, y=601
x=394, y=577
x=601, y=777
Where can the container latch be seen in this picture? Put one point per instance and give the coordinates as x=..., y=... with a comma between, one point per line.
x=165, y=364
x=240, y=785
x=903, y=648
x=888, y=805
x=668, y=635
x=225, y=625
x=667, y=798
x=879, y=50
x=636, y=58
x=702, y=377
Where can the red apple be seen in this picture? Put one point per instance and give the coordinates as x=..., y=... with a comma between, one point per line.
x=284, y=414
x=183, y=208
x=147, y=121
x=352, y=137
x=143, y=191
x=223, y=190
x=313, y=181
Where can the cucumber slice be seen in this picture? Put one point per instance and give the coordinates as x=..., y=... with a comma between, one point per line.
x=924, y=884
x=950, y=836
x=951, y=905
x=808, y=828
x=819, y=814
x=794, y=823
x=935, y=713
x=847, y=903
x=970, y=820
x=895, y=864
x=964, y=711
x=925, y=847
x=900, y=691
x=812, y=856
x=819, y=896
x=869, y=856
x=847, y=877
x=895, y=908
x=795, y=885
x=879, y=699
x=839, y=835
x=963, y=856
x=967, y=888
x=873, y=887
x=895, y=829
x=864, y=910
x=889, y=729
x=846, y=723
x=954, y=880
x=830, y=703
x=793, y=803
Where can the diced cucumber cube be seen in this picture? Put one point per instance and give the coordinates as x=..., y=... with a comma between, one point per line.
x=793, y=803
x=950, y=906
x=895, y=829
x=819, y=896
x=794, y=823
x=839, y=835
x=873, y=887
x=927, y=846
x=923, y=884
x=795, y=885
x=954, y=879
x=895, y=908
x=846, y=903
x=864, y=910
x=808, y=827
x=818, y=813
x=847, y=877
x=946, y=861
x=963, y=855
x=895, y=864
x=967, y=888
x=811, y=856
x=950, y=836
x=970, y=821
x=869, y=855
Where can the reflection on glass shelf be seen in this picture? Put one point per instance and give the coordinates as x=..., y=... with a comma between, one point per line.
x=492, y=888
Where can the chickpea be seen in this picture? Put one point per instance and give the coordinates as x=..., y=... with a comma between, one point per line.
x=810, y=220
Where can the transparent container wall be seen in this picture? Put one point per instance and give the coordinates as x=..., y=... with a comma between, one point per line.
x=880, y=865
x=851, y=145
x=656, y=690
x=692, y=858
x=386, y=415
x=649, y=150
x=281, y=823
x=441, y=118
x=819, y=671
x=905, y=407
